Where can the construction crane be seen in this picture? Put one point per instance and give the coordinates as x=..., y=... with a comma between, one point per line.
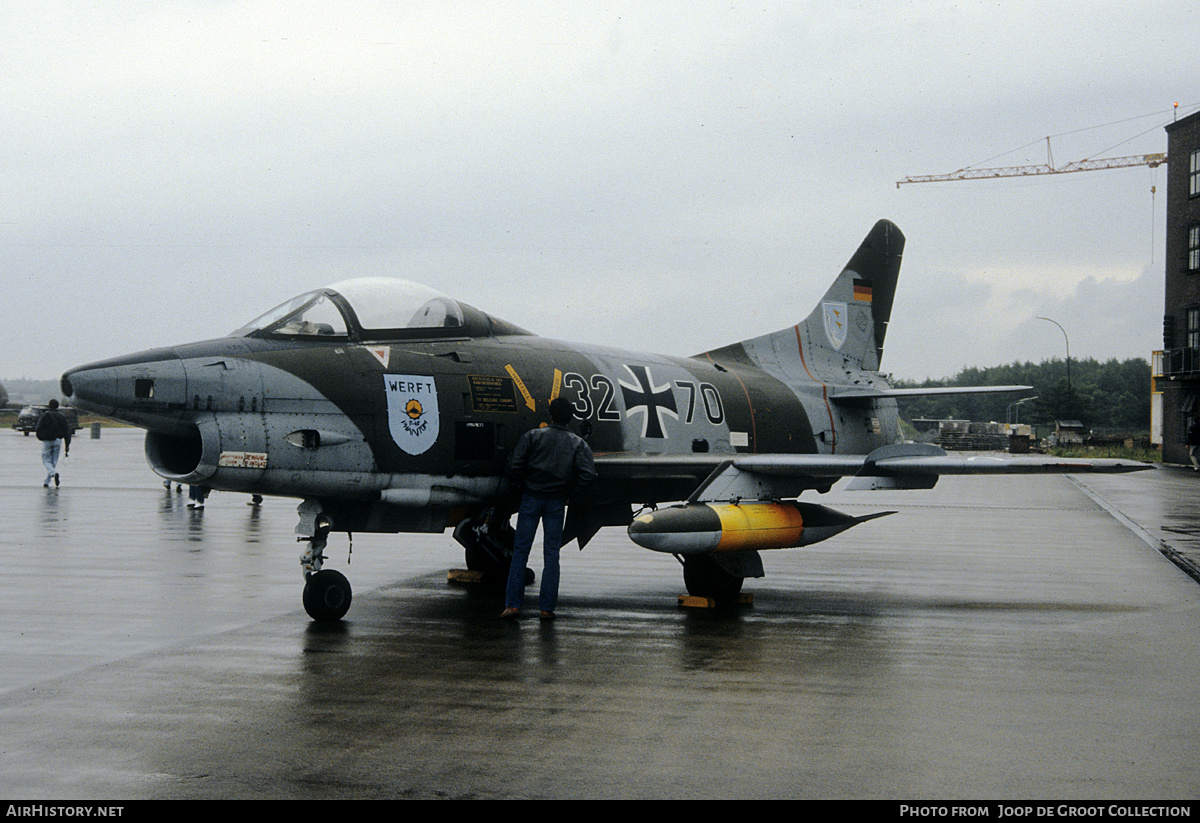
x=1151, y=160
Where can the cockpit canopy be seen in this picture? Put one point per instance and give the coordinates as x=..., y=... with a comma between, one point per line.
x=375, y=308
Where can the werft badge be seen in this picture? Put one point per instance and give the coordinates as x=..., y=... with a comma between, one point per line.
x=412, y=411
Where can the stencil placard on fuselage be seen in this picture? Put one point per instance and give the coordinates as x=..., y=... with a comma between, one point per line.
x=492, y=394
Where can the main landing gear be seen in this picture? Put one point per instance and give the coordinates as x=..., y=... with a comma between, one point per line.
x=719, y=578
x=327, y=592
x=703, y=577
x=487, y=541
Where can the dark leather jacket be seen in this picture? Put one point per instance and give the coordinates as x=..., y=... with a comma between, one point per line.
x=552, y=463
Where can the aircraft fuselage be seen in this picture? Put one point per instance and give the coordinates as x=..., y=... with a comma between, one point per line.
x=425, y=426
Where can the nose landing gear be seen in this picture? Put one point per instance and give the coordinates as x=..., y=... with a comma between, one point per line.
x=327, y=592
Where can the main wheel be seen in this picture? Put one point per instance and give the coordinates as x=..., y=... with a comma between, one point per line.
x=327, y=596
x=703, y=577
x=489, y=553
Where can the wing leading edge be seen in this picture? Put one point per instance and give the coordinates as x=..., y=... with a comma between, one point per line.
x=856, y=392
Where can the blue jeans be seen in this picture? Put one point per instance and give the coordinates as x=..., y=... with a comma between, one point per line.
x=51, y=449
x=551, y=513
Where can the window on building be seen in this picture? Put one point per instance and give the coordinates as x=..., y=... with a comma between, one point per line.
x=1194, y=174
x=1193, y=249
x=1193, y=327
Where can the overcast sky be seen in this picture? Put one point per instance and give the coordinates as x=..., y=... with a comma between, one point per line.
x=663, y=176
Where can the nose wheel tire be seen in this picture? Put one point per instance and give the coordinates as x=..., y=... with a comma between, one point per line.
x=327, y=596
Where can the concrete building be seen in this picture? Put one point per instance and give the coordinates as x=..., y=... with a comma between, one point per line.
x=1178, y=376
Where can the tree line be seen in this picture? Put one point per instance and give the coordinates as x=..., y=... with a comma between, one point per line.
x=1109, y=397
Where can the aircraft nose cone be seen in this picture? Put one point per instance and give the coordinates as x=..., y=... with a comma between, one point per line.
x=127, y=388
x=91, y=389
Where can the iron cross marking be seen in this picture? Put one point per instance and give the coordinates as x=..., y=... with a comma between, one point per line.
x=648, y=400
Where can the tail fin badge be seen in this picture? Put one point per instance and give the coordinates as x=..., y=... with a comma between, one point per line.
x=835, y=323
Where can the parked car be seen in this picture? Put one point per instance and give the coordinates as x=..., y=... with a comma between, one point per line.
x=28, y=419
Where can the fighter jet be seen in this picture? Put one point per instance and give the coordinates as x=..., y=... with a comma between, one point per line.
x=386, y=406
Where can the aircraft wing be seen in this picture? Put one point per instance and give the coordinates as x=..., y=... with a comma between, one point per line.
x=861, y=393
x=903, y=466
x=915, y=466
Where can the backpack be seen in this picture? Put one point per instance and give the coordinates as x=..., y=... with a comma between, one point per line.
x=50, y=426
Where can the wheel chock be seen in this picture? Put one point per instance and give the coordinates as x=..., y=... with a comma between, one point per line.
x=688, y=601
x=464, y=577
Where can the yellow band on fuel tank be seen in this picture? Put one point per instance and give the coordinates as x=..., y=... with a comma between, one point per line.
x=758, y=526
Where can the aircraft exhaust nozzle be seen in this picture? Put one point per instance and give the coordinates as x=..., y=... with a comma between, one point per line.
x=704, y=528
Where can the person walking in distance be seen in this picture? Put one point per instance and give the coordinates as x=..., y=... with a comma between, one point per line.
x=53, y=431
x=1193, y=444
x=549, y=465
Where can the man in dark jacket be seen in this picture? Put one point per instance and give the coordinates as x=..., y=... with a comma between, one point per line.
x=53, y=430
x=549, y=464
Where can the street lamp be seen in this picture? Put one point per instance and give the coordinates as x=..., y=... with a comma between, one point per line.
x=1068, y=340
x=1017, y=416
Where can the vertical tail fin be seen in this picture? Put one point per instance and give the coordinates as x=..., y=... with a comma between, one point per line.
x=839, y=345
x=847, y=326
x=852, y=317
